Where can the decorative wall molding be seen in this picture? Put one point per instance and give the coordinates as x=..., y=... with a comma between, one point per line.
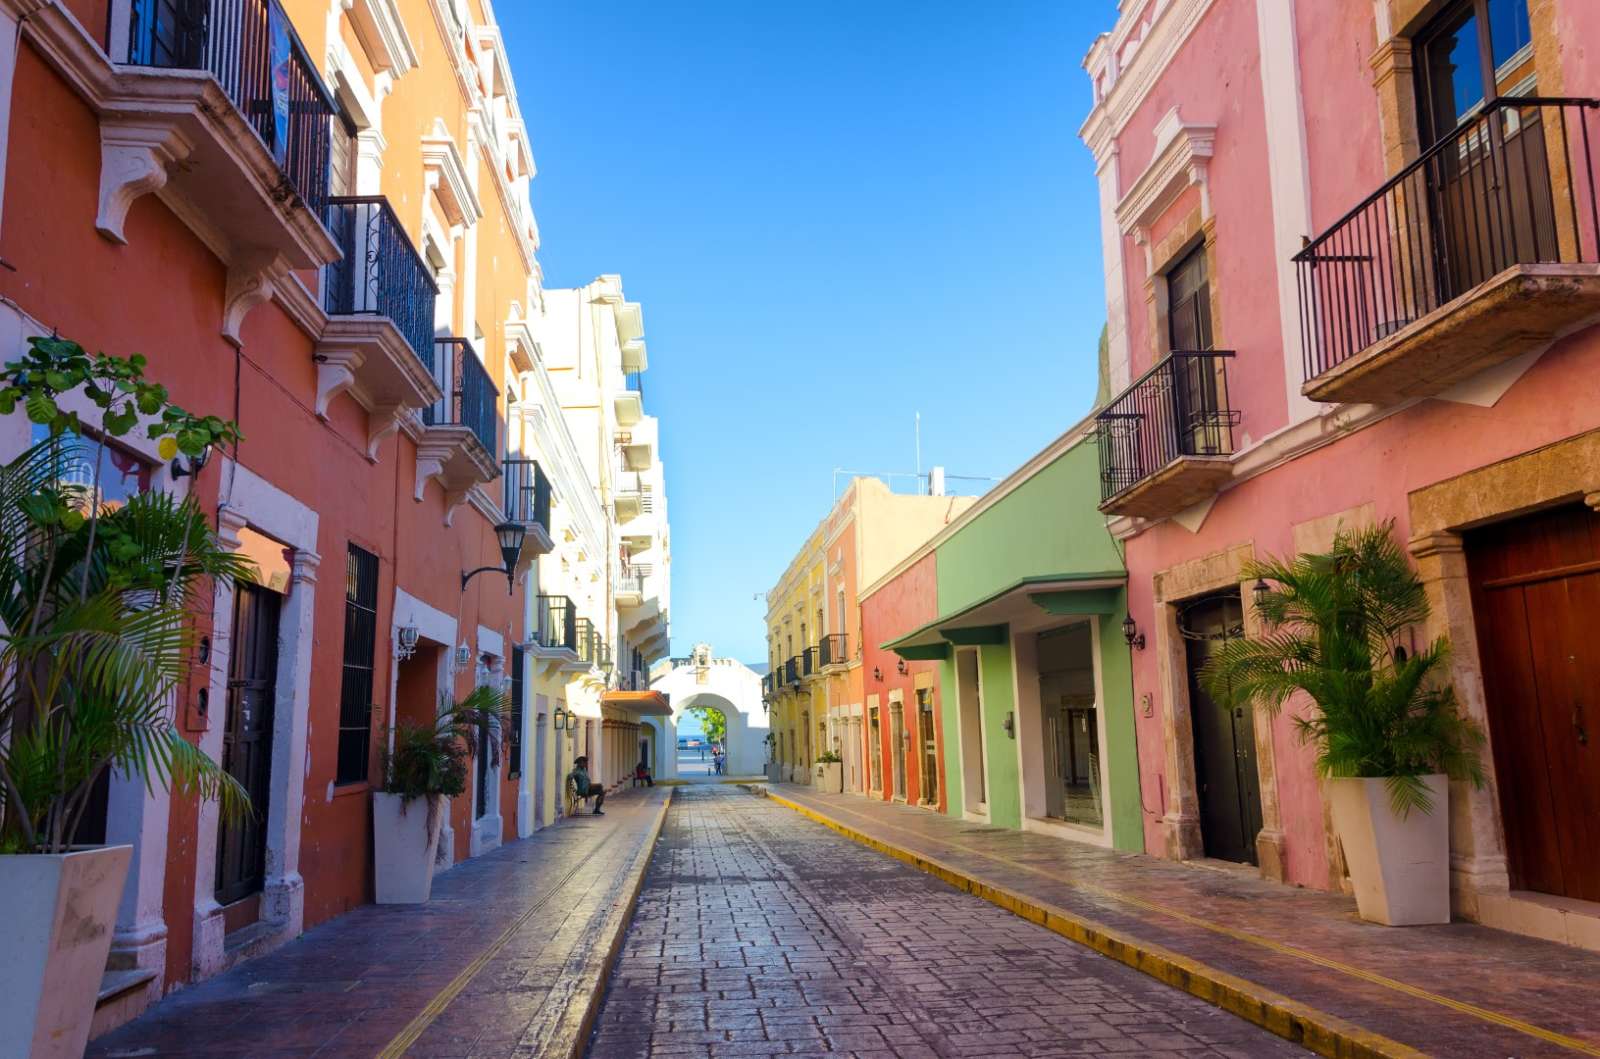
x=446, y=176
x=382, y=32
x=1182, y=158
x=134, y=158
x=252, y=279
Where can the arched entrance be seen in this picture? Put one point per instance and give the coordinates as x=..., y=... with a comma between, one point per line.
x=724, y=689
x=722, y=721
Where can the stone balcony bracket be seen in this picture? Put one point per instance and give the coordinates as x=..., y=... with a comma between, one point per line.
x=368, y=358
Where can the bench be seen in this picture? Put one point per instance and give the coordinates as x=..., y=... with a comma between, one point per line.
x=573, y=802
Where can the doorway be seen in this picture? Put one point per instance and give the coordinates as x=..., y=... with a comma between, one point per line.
x=1224, y=740
x=929, y=759
x=1536, y=600
x=969, y=695
x=852, y=750
x=874, y=751
x=897, y=748
x=247, y=740
x=1071, y=725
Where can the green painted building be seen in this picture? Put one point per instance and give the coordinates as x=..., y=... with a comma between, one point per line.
x=1035, y=691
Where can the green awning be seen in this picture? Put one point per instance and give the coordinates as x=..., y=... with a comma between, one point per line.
x=1031, y=601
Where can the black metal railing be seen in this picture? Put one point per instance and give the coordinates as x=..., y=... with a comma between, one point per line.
x=808, y=661
x=589, y=642
x=1514, y=186
x=767, y=685
x=470, y=396
x=834, y=649
x=556, y=627
x=791, y=671
x=381, y=273
x=527, y=491
x=251, y=48
x=1177, y=408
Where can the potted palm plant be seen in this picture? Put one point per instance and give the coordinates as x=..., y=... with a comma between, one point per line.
x=95, y=640
x=426, y=763
x=1388, y=734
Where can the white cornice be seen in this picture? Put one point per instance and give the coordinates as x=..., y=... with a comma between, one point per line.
x=1182, y=158
x=382, y=32
x=447, y=176
x=1167, y=34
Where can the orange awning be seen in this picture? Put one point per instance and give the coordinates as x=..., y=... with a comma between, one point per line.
x=644, y=703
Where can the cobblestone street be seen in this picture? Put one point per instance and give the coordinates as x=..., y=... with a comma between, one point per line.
x=760, y=933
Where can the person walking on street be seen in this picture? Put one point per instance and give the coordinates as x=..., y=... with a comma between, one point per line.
x=579, y=778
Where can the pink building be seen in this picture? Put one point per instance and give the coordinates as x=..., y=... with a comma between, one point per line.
x=1350, y=255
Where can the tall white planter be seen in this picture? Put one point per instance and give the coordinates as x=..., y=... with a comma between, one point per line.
x=405, y=837
x=830, y=776
x=1400, y=866
x=60, y=912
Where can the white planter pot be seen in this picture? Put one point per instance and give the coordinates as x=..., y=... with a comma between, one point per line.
x=774, y=772
x=830, y=777
x=60, y=912
x=1400, y=867
x=405, y=838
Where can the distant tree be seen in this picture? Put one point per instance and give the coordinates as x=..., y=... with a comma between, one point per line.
x=712, y=721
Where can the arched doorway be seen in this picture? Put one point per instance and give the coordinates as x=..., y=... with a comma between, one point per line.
x=721, y=721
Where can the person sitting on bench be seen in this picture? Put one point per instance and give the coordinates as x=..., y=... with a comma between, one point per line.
x=641, y=774
x=582, y=788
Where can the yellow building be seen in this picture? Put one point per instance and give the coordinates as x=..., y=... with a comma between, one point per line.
x=815, y=689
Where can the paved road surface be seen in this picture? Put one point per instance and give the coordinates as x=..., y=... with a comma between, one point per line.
x=761, y=933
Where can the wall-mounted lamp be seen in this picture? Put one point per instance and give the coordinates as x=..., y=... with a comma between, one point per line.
x=463, y=656
x=196, y=464
x=405, y=642
x=877, y=674
x=1260, y=592
x=902, y=667
x=1131, y=633
x=509, y=535
x=560, y=719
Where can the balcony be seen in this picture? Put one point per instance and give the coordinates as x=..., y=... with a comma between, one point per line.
x=834, y=650
x=633, y=455
x=460, y=435
x=188, y=105
x=1480, y=251
x=527, y=501
x=628, y=404
x=591, y=648
x=1165, y=442
x=378, y=343
x=634, y=501
x=791, y=672
x=555, y=635
x=769, y=686
x=631, y=590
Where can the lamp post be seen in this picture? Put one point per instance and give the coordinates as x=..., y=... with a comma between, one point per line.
x=509, y=535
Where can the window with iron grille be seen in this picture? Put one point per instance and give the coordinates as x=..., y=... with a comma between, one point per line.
x=360, y=640
x=514, y=740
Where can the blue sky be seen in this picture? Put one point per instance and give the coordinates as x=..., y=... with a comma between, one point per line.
x=836, y=215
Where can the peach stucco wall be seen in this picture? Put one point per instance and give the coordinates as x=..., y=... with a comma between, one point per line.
x=896, y=607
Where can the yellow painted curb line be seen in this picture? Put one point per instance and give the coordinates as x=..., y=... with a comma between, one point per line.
x=1300, y=1023
x=414, y=1029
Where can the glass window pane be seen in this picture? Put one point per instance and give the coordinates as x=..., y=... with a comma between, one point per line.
x=1509, y=31
x=122, y=474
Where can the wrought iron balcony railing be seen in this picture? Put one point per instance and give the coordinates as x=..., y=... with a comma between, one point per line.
x=631, y=581
x=589, y=642
x=834, y=650
x=1514, y=186
x=556, y=627
x=791, y=671
x=470, y=396
x=767, y=685
x=251, y=48
x=527, y=492
x=1178, y=408
x=381, y=273
x=808, y=661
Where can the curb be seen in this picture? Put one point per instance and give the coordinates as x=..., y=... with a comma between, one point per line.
x=617, y=925
x=1309, y=1027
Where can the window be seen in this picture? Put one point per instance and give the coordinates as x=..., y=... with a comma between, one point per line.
x=342, y=155
x=122, y=473
x=1189, y=302
x=1472, y=44
x=360, y=640
x=514, y=740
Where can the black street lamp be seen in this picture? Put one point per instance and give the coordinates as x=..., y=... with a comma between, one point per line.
x=510, y=535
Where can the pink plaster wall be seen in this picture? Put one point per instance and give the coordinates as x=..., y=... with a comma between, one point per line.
x=900, y=605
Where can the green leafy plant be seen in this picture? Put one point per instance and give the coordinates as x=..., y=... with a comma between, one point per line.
x=828, y=757
x=432, y=759
x=1337, y=625
x=95, y=601
x=713, y=722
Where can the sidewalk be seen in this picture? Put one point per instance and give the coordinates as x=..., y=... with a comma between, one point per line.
x=508, y=958
x=1298, y=962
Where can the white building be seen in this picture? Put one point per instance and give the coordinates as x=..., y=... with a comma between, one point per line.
x=723, y=684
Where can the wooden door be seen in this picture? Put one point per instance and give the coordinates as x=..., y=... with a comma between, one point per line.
x=1536, y=598
x=1224, y=740
x=247, y=739
x=930, y=748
